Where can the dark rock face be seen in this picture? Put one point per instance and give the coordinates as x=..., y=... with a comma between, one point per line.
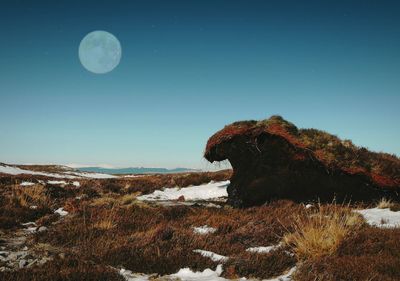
x=269, y=165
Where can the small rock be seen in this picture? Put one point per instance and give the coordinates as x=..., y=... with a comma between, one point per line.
x=4, y=253
x=22, y=263
x=42, y=228
x=12, y=257
x=181, y=198
x=25, y=248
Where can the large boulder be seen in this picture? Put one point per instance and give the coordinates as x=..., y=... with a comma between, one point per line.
x=273, y=159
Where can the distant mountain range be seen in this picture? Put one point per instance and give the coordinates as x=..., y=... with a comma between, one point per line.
x=135, y=170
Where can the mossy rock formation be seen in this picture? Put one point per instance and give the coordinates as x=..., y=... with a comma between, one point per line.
x=273, y=159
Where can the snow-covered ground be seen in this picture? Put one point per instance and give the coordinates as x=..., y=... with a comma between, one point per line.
x=263, y=250
x=213, y=256
x=61, y=212
x=130, y=276
x=65, y=175
x=205, y=229
x=382, y=218
x=208, y=191
x=27, y=183
x=186, y=274
x=57, y=182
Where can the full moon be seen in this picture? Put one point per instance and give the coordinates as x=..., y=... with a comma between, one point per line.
x=100, y=52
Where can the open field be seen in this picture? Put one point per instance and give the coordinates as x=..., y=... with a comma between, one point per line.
x=104, y=229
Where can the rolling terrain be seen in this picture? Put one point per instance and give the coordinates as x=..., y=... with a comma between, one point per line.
x=63, y=224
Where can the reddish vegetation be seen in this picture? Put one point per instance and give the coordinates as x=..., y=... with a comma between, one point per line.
x=372, y=254
x=15, y=201
x=273, y=153
x=107, y=229
x=71, y=269
x=158, y=239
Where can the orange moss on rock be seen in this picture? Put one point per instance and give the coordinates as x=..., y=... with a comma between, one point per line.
x=273, y=159
x=275, y=125
x=381, y=168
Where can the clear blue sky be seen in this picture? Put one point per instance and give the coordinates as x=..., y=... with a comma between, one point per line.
x=187, y=69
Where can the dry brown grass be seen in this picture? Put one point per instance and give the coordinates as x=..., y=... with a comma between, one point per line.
x=369, y=254
x=142, y=184
x=16, y=203
x=26, y=196
x=385, y=203
x=103, y=201
x=107, y=228
x=321, y=233
x=107, y=221
x=69, y=269
x=128, y=198
x=156, y=239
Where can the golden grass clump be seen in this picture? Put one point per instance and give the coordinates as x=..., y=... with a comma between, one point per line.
x=103, y=201
x=32, y=195
x=321, y=233
x=385, y=204
x=128, y=199
x=108, y=220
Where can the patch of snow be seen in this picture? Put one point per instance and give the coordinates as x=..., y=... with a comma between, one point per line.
x=186, y=274
x=205, y=229
x=31, y=229
x=76, y=183
x=10, y=170
x=33, y=207
x=263, y=250
x=67, y=175
x=200, y=192
x=129, y=276
x=382, y=218
x=26, y=183
x=17, y=171
x=28, y=223
x=57, y=182
x=308, y=206
x=213, y=256
x=61, y=212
